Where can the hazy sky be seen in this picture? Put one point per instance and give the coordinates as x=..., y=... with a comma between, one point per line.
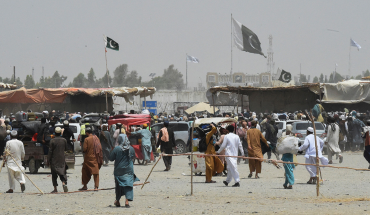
x=68, y=36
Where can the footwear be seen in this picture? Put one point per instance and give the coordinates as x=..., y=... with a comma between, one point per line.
x=340, y=159
x=96, y=188
x=165, y=169
x=257, y=177
x=9, y=191
x=65, y=188
x=309, y=182
x=81, y=189
x=54, y=191
x=330, y=162
x=290, y=187
x=225, y=183
x=117, y=204
x=211, y=181
x=127, y=206
x=250, y=175
x=285, y=187
x=23, y=187
x=236, y=184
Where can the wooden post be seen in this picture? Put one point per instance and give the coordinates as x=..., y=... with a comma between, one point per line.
x=144, y=99
x=191, y=157
x=317, y=158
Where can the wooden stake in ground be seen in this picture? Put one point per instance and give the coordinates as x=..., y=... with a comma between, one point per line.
x=191, y=158
x=317, y=158
x=151, y=171
x=8, y=153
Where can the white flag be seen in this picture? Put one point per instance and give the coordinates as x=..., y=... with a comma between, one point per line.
x=192, y=59
x=353, y=43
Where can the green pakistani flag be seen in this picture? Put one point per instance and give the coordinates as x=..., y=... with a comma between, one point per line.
x=109, y=43
x=285, y=76
x=245, y=39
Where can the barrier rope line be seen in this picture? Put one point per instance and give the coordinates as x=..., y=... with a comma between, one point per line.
x=81, y=191
x=271, y=160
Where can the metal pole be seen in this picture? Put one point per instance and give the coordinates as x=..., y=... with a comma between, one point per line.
x=191, y=157
x=106, y=67
x=186, y=70
x=106, y=101
x=213, y=101
x=317, y=158
x=349, y=61
x=145, y=99
x=14, y=73
x=231, y=44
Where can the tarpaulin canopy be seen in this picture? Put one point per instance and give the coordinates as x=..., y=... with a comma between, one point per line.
x=347, y=92
x=201, y=107
x=8, y=86
x=58, y=95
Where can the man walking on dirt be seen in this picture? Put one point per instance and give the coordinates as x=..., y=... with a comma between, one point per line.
x=93, y=159
x=15, y=150
x=57, y=161
x=231, y=143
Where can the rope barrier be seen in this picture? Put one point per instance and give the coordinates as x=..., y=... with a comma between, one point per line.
x=267, y=160
x=81, y=191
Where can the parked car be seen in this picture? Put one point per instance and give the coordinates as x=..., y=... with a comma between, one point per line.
x=94, y=117
x=282, y=126
x=75, y=127
x=181, y=132
x=300, y=130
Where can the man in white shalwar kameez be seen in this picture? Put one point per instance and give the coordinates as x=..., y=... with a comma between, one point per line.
x=309, y=146
x=16, y=149
x=231, y=143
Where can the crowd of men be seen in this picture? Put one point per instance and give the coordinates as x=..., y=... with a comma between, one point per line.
x=253, y=135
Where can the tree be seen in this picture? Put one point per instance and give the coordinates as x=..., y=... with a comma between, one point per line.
x=359, y=77
x=58, y=79
x=326, y=79
x=119, y=75
x=29, y=83
x=79, y=80
x=91, y=78
x=103, y=82
x=315, y=79
x=321, y=79
x=302, y=78
x=171, y=79
x=366, y=73
x=132, y=79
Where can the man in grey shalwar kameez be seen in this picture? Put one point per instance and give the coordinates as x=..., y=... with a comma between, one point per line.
x=106, y=144
x=124, y=175
x=57, y=161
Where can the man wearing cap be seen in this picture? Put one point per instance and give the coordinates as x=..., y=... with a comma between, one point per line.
x=231, y=143
x=56, y=160
x=93, y=159
x=15, y=150
x=309, y=146
x=68, y=134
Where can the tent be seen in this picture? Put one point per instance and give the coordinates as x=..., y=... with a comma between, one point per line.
x=201, y=107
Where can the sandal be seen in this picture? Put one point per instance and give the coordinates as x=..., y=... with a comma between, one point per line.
x=257, y=177
x=285, y=187
x=127, y=206
x=250, y=175
x=211, y=181
x=290, y=187
x=82, y=189
x=53, y=191
x=309, y=182
x=117, y=204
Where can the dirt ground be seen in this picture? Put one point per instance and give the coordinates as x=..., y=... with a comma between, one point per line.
x=343, y=192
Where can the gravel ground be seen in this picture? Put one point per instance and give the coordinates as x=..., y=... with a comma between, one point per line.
x=168, y=192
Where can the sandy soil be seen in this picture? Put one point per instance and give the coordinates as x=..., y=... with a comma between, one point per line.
x=168, y=192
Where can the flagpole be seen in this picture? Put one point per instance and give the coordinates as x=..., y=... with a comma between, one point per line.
x=106, y=71
x=349, y=61
x=186, y=70
x=231, y=44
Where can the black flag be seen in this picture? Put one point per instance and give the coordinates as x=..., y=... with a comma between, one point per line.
x=285, y=76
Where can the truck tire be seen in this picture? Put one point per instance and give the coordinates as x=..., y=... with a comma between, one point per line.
x=32, y=166
x=181, y=147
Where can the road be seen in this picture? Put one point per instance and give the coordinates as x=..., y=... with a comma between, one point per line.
x=168, y=192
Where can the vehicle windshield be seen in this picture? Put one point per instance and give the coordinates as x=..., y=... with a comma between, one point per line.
x=156, y=128
x=280, y=125
x=304, y=126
